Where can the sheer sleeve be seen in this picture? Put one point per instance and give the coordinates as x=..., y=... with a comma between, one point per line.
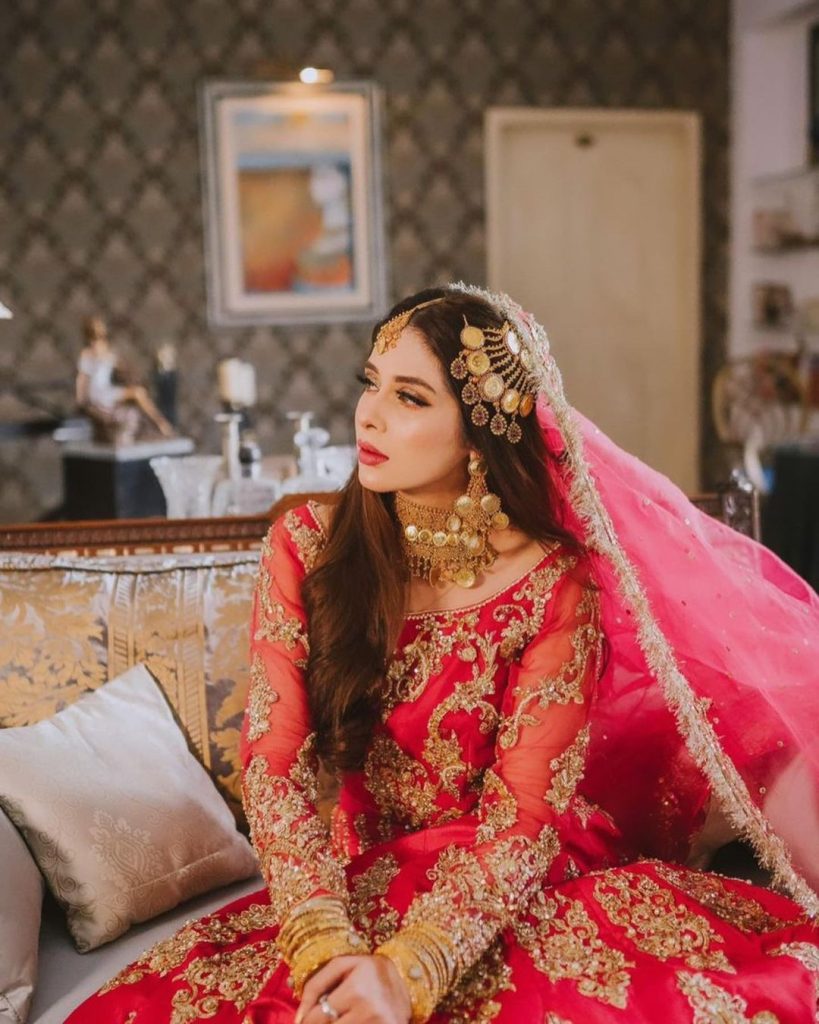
x=540, y=753
x=308, y=894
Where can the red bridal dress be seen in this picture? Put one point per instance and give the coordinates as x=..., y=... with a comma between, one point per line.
x=482, y=809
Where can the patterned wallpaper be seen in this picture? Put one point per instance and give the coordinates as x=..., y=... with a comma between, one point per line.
x=100, y=205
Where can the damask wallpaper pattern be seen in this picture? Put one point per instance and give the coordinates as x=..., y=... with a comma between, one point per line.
x=100, y=207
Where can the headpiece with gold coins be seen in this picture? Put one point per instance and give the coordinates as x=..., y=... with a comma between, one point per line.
x=496, y=365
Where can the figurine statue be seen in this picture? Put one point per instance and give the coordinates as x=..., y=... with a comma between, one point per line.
x=109, y=394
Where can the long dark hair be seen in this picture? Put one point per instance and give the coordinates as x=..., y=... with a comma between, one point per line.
x=355, y=595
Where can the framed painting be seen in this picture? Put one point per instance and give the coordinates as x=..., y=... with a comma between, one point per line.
x=294, y=229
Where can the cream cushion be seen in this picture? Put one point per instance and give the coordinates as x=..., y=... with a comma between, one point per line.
x=121, y=818
x=21, y=902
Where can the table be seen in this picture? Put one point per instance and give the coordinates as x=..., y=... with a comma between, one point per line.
x=101, y=481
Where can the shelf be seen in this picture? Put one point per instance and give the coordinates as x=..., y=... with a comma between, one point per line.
x=786, y=250
x=792, y=175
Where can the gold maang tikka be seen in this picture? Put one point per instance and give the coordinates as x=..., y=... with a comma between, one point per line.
x=443, y=546
x=390, y=332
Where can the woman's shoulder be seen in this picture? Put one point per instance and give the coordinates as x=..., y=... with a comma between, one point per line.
x=302, y=529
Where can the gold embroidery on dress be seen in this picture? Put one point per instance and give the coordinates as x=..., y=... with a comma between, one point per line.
x=292, y=842
x=498, y=807
x=304, y=769
x=473, y=1000
x=172, y=952
x=568, y=768
x=370, y=911
x=472, y=899
x=236, y=977
x=805, y=952
x=274, y=624
x=309, y=540
x=444, y=752
x=565, y=945
x=420, y=660
x=656, y=924
x=400, y=784
x=566, y=686
x=522, y=626
x=710, y=1002
x=713, y=892
x=260, y=700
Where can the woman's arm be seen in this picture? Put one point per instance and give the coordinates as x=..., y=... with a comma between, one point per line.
x=540, y=753
x=306, y=879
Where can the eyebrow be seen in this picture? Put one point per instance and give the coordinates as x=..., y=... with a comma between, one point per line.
x=404, y=380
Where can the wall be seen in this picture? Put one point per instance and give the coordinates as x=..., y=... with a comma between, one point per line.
x=100, y=191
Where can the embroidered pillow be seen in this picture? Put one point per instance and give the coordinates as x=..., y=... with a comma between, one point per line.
x=121, y=818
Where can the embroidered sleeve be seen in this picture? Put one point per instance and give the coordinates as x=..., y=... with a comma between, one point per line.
x=279, y=782
x=540, y=752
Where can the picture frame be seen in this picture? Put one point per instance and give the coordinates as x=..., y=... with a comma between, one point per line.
x=293, y=202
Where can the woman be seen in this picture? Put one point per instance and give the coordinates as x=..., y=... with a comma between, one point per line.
x=496, y=681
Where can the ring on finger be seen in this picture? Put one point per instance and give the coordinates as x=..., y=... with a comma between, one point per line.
x=330, y=1012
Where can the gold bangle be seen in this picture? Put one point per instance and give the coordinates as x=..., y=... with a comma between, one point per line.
x=314, y=932
x=321, y=950
x=427, y=963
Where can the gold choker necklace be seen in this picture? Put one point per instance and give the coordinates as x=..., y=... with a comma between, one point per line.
x=452, y=545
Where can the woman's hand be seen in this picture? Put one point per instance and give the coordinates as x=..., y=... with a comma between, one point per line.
x=361, y=990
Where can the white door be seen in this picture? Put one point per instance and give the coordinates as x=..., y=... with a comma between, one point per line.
x=593, y=225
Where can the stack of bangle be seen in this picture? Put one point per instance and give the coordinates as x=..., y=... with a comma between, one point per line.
x=427, y=962
x=316, y=931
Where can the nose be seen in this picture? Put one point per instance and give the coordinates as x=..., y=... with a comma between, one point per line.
x=369, y=413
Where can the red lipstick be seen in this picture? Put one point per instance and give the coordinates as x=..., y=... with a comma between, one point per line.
x=370, y=455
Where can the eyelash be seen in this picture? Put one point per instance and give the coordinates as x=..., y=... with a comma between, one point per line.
x=405, y=396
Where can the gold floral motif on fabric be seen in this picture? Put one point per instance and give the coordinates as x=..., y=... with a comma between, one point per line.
x=711, y=1003
x=474, y=998
x=369, y=909
x=444, y=751
x=309, y=540
x=565, y=945
x=656, y=924
x=371, y=829
x=552, y=1018
x=473, y=898
x=236, y=977
x=400, y=784
x=409, y=672
x=568, y=768
x=260, y=699
x=304, y=769
x=519, y=625
x=722, y=899
x=498, y=808
x=566, y=686
x=292, y=842
x=805, y=952
x=172, y=952
x=274, y=624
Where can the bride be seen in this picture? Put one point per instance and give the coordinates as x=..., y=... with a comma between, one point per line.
x=535, y=671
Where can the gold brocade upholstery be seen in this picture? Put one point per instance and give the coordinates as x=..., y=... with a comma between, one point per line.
x=69, y=625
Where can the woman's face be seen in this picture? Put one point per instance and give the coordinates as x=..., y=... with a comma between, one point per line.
x=408, y=425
